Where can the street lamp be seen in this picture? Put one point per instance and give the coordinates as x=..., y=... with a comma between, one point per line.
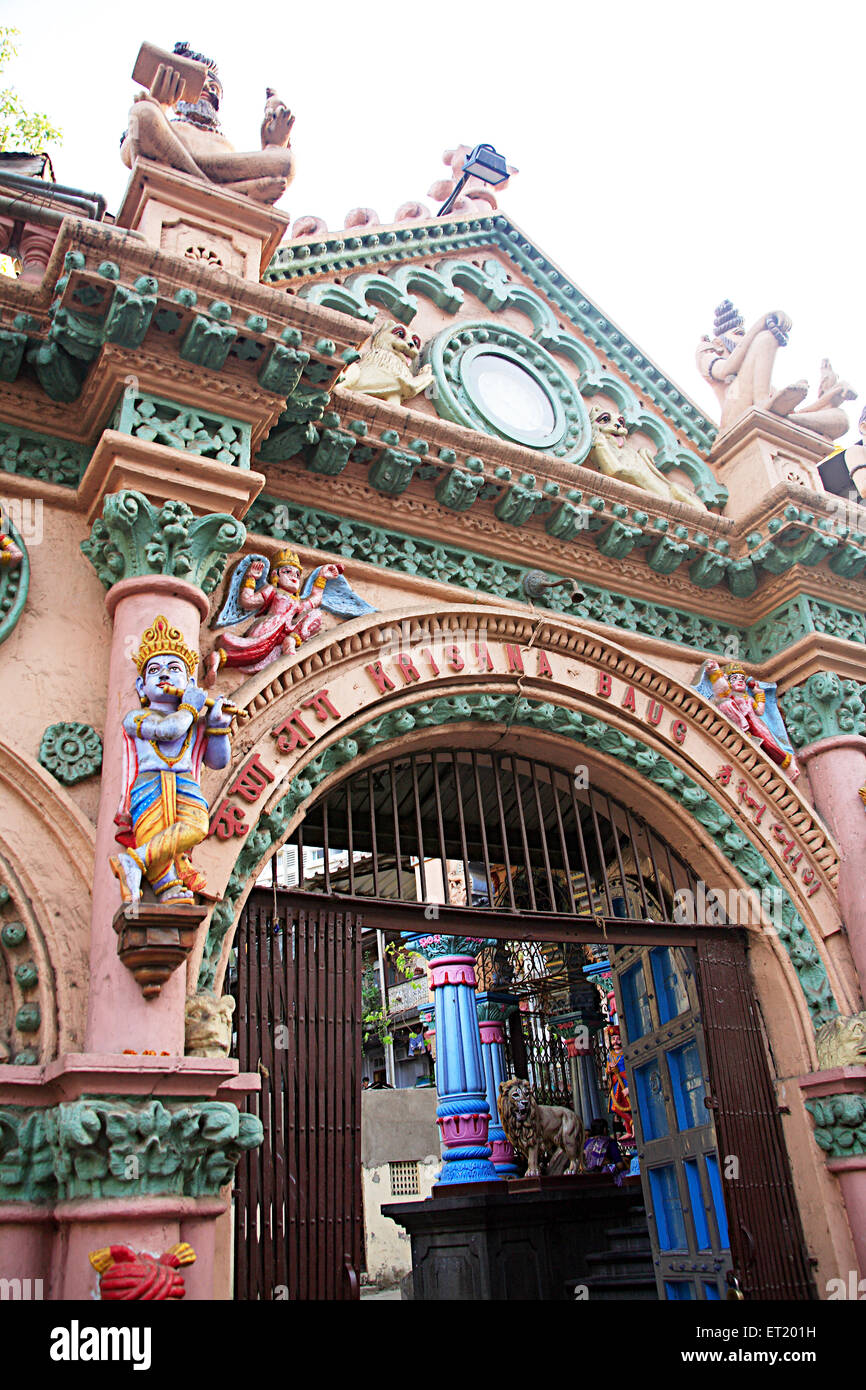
x=483, y=163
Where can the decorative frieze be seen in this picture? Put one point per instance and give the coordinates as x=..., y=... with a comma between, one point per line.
x=824, y=706
x=840, y=1124
x=195, y=431
x=39, y=456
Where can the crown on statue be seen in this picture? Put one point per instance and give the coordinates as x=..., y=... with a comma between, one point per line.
x=284, y=557
x=735, y=669
x=160, y=639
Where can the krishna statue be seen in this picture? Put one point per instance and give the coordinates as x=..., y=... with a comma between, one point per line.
x=162, y=813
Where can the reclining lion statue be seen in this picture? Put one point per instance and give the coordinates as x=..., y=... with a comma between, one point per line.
x=535, y=1129
x=613, y=454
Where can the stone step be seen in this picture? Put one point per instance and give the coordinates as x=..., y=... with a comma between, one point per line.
x=628, y=1263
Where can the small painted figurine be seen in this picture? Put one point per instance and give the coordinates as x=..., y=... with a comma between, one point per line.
x=752, y=708
x=292, y=615
x=619, y=1104
x=163, y=814
x=127, y=1276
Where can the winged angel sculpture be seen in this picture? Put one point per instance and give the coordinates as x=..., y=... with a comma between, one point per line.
x=287, y=614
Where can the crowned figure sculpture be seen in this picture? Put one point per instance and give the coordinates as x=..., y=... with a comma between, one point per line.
x=752, y=707
x=287, y=614
x=162, y=813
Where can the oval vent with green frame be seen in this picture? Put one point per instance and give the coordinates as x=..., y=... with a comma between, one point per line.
x=494, y=379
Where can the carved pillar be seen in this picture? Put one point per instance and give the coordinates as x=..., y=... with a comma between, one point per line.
x=576, y=1035
x=35, y=245
x=463, y=1113
x=826, y=723
x=491, y=1010
x=140, y=553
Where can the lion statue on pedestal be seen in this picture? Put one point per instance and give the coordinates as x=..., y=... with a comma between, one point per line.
x=534, y=1129
x=387, y=369
x=614, y=455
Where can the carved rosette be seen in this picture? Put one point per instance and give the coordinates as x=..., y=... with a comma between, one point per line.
x=71, y=752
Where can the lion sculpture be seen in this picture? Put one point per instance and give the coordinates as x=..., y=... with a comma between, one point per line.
x=387, y=369
x=842, y=1042
x=613, y=454
x=534, y=1129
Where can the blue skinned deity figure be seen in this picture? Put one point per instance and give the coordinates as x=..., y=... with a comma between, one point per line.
x=162, y=813
x=287, y=614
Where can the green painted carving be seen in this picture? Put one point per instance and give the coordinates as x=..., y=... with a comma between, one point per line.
x=332, y=452
x=516, y=712
x=207, y=342
x=27, y=974
x=79, y=334
x=13, y=934
x=14, y=581
x=619, y=540
x=840, y=622
x=282, y=370
x=131, y=311
x=197, y=432
x=28, y=1018
x=391, y=471
x=784, y=626
x=71, y=752
x=134, y=538
x=840, y=1124
x=519, y=501
x=340, y=253
x=40, y=456
x=339, y=297
x=710, y=567
x=110, y=1146
x=741, y=577
x=381, y=290
x=667, y=555
x=60, y=375
x=353, y=540
x=458, y=489
x=823, y=707
x=12, y=347
x=451, y=352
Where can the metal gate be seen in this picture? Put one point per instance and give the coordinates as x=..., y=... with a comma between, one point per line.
x=297, y=1201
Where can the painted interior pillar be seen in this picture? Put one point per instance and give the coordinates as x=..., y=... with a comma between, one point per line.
x=463, y=1112
x=576, y=1035
x=491, y=1026
x=837, y=771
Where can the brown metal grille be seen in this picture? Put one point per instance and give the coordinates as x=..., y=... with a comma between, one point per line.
x=766, y=1238
x=298, y=1196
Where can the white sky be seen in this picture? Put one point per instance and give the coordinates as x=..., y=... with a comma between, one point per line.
x=671, y=154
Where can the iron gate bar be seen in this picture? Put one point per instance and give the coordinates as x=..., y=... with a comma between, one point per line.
x=396, y=816
x=635, y=854
x=461, y=820
x=422, y=870
x=481, y=821
x=536, y=789
x=497, y=769
x=527, y=863
x=372, y=804
x=568, y=883
x=392, y=915
x=582, y=843
x=348, y=786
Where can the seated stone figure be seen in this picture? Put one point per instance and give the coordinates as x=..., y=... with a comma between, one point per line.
x=739, y=367
x=192, y=142
x=614, y=455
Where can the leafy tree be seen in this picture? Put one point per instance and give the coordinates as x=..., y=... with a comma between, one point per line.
x=20, y=129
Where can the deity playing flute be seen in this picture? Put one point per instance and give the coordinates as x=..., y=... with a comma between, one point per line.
x=162, y=813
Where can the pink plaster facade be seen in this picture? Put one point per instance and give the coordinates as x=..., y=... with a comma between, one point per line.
x=67, y=658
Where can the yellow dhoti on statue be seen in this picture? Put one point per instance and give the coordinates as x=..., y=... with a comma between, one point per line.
x=169, y=818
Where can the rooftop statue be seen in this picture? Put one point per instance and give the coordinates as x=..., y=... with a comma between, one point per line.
x=387, y=368
x=192, y=141
x=612, y=454
x=739, y=367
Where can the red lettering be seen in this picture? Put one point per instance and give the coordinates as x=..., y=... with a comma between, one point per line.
x=655, y=711
x=603, y=684
x=454, y=659
x=383, y=681
x=514, y=657
x=483, y=657
x=228, y=820
x=408, y=670
x=544, y=665
x=628, y=699
x=292, y=733
x=321, y=706
x=251, y=780
x=429, y=656
x=679, y=729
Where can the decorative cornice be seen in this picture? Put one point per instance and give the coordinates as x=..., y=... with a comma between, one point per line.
x=133, y=539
